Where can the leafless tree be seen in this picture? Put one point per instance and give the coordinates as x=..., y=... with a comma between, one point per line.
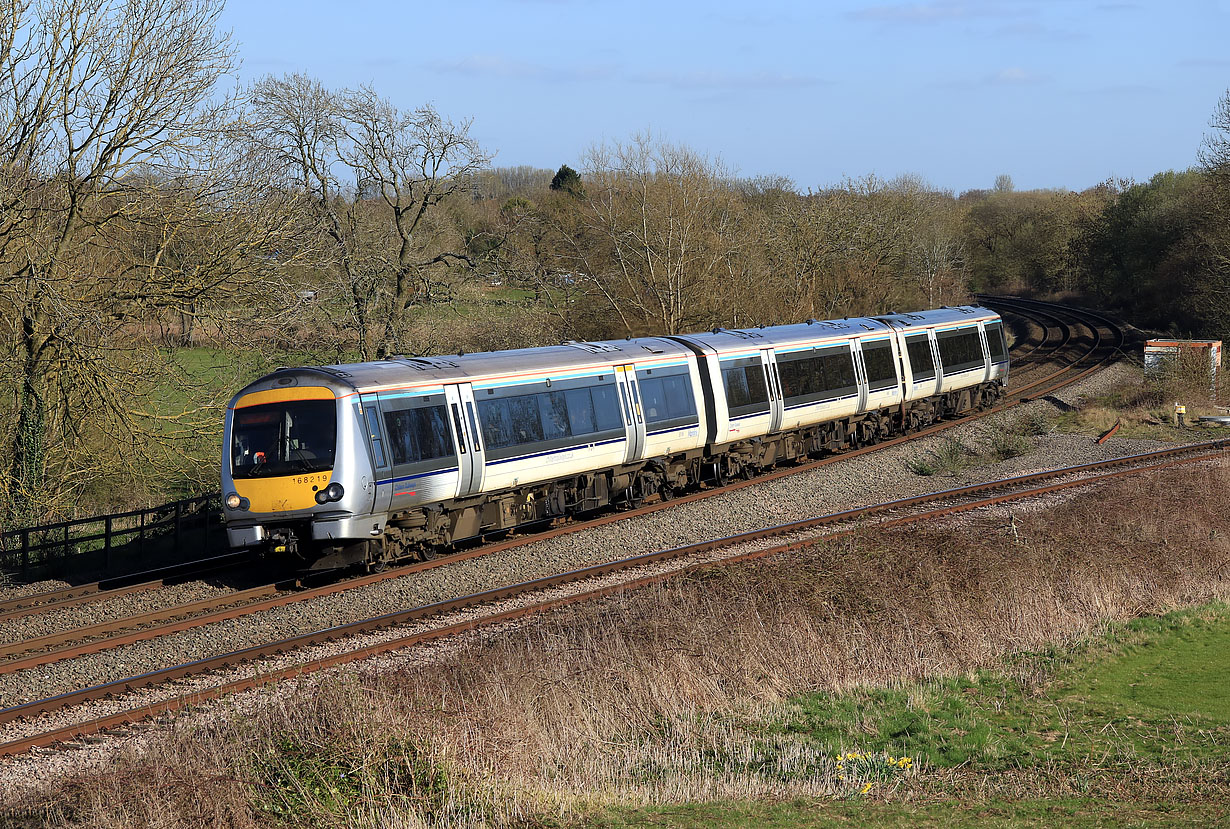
x=1215, y=150
x=377, y=177
x=113, y=207
x=659, y=235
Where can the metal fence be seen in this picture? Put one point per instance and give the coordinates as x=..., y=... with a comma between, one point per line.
x=164, y=533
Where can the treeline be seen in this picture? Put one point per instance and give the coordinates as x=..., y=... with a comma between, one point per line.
x=165, y=237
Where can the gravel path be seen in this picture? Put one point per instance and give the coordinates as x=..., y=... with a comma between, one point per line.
x=129, y=604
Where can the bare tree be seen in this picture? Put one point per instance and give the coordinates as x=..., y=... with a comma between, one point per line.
x=1215, y=149
x=844, y=250
x=658, y=237
x=376, y=177
x=122, y=197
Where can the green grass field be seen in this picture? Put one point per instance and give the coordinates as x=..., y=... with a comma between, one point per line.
x=1128, y=729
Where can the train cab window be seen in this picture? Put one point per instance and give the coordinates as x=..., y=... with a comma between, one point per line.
x=287, y=438
x=878, y=361
x=995, y=342
x=960, y=350
x=419, y=434
x=922, y=365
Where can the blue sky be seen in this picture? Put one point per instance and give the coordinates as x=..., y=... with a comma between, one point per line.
x=1055, y=93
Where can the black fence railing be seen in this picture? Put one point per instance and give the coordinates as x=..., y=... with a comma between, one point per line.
x=180, y=530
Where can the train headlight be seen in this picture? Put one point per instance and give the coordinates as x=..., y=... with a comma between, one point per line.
x=334, y=491
x=322, y=496
x=233, y=501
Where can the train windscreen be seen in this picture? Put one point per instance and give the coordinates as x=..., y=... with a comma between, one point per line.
x=288, y=438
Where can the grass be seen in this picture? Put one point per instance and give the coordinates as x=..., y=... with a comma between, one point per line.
x=1001, y=444
x=949, y=458
x=1145, y=410
x=1072, y=812
x=1146, y=698
x=999, y=663
x=1111, y=697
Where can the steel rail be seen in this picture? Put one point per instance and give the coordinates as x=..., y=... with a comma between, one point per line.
x=1028, y=357
x=118, y=586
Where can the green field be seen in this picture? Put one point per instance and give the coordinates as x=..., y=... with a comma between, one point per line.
x=1131, y=728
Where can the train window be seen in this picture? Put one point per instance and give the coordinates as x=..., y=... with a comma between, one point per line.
x=579, y=407
x=606, y=407
x=497, y=425
x=798, y=377
x=667, y=398
x=921, y=363
x=878, y=361
x=679, y=400
x=960, y=350
x=553, y=410
x=811, y=376
x=549, y=416
x=373, y=430
x=654, y=400
x=746, y=392
x=839, y=371
x=419, y=434
x=526, y=419
x=995, y=342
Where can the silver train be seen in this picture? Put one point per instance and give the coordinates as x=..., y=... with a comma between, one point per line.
x=372, y=462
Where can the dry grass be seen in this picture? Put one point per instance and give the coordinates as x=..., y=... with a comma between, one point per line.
x=661, y=695
x=1145, y=407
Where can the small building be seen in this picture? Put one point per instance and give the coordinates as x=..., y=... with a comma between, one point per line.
x=1164, y=356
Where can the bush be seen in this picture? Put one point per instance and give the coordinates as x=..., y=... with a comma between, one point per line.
x=949, y=458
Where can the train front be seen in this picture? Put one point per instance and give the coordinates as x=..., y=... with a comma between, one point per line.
x=296, y=476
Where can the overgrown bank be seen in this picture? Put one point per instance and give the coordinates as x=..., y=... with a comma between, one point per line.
x=746, y=684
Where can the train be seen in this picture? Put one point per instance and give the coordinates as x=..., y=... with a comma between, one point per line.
x=368, y=463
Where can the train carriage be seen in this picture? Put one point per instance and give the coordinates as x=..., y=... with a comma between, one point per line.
x=375, y=461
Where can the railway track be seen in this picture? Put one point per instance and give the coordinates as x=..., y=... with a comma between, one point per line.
x=537, y=596
x=1071, y=345
x=1068, y=358
x=74, y=595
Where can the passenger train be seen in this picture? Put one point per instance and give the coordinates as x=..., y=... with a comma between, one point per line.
x=371, y=462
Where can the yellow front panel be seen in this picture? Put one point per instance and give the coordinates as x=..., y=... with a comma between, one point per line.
x=257, y=398
x=293, y=492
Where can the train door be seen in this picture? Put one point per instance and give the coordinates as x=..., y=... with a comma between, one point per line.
x=369, y=414
x=777, y=405
x=470, y=456
x=634, y=417
x=860, y=373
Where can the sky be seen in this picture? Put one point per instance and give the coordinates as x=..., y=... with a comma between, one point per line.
x=1054, y=93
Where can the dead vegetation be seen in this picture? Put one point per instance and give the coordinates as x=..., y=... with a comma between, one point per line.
x=1144, y=406
x=663, y=695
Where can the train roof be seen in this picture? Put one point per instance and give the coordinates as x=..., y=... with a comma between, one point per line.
x=402, y=371
x=948, y=315
x=724, y=340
